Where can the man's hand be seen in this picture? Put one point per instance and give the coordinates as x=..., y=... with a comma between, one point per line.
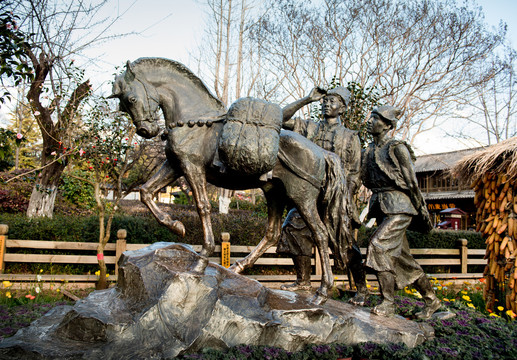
x=317, y=94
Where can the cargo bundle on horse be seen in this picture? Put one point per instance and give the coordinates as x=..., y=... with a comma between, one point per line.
x=249, y=141
x=151, y=84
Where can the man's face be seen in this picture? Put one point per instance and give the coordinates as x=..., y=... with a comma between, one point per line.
x=331, y=106
x=376, y=125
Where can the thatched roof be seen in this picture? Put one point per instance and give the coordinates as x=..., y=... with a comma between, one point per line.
x=499, y=158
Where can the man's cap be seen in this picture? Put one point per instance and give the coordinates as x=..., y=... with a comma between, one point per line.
x=342, y=92
x=388, y=114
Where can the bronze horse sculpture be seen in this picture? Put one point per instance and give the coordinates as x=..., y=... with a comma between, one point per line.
x=194, y=120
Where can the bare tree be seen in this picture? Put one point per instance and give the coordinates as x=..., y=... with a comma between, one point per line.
x=492, y=110
x=61, y=30
x=416, y=53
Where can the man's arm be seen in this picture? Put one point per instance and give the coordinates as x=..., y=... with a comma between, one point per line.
x=289, y=110
x=408, y=172
x=354, y=164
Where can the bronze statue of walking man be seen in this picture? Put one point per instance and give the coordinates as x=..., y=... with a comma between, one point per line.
x=331, y=135
x=387, y=170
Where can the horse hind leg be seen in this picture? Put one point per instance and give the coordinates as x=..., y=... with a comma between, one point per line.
x=275, y=207
x=309, y=213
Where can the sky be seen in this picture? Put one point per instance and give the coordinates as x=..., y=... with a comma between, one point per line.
x=174, y=28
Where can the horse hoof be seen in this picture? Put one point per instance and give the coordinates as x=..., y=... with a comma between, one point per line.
x=318, y=299
x=178, y=228
x=236, y=268
x=201, y=265
x=296, y=286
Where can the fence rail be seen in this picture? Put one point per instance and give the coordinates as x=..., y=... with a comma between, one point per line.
x=458, y=259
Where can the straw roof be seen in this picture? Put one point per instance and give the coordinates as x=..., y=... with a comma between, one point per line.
x=499, y=158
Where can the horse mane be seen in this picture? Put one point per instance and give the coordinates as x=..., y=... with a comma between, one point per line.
x=179, y=68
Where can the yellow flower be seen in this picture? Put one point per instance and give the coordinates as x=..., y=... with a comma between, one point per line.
x=41, y=270
x=466, y=298
x=494, y=314
x=445, y=299
x=107, y=275
x=464, y=292
x=500, y=308
x=335, y=277
x=439, y=288
x=98, y=272
x=58, y=290
x=471, y=305
x=510, y=313
x=375, y=288
x=7, y=283
x=8, y=294
x=368, y=286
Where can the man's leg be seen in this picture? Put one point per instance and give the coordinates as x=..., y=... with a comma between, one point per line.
x=302, y=266
x=387, y=285
x=432, y=303
x=355, y=265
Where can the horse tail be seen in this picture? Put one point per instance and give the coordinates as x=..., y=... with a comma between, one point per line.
x=338, y=209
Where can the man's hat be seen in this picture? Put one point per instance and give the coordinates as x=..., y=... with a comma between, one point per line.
x=342, y=92
x=388, y=114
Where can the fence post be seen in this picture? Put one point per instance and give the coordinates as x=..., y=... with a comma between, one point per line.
x=4, y=229
x=462, y=243
x=225, y=250
x=120, y=247
x=317, y=262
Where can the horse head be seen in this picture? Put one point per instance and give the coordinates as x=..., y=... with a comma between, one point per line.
x=140, y=100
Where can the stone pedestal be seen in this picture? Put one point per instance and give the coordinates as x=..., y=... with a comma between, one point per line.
x=161, y=308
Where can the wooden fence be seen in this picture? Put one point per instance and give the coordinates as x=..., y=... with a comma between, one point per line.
x=455, y=262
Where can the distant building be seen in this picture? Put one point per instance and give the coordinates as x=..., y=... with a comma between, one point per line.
x=441, y=191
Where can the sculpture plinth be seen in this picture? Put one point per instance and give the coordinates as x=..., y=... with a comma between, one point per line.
x=161, y=308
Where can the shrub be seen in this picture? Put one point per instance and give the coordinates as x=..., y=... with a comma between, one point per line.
x=77, y=191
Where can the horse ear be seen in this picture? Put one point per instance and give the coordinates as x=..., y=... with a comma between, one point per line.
x=130, y=74
x=116, y=91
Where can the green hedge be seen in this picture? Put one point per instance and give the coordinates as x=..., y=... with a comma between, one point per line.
x=245, y=227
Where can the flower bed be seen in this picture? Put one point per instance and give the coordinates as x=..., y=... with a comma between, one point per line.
x=473, y=333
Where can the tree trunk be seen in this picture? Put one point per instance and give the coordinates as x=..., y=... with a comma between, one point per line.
x=44, y=192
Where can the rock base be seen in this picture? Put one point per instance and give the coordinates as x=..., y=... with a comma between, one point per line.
x=161, y=307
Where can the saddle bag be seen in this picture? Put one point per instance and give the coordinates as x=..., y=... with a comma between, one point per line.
x=250, y=137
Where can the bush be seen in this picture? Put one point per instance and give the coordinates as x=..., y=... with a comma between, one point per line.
x=244, y=227
x=77, y=191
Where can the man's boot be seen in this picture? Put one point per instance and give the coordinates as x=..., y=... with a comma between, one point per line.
x=387, y=285
x=356, y=268
x=432, y=303
x=302, y=266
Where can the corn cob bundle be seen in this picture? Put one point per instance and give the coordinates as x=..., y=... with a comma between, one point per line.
x=496, y=217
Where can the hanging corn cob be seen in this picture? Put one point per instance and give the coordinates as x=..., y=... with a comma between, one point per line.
x=496, y=219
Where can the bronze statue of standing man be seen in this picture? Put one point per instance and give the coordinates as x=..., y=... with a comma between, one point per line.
x=387, y=170
x=331, y=135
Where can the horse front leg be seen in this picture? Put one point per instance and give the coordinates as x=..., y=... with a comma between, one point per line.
x=163, y=177
x=197, y=179
x=275, y=208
